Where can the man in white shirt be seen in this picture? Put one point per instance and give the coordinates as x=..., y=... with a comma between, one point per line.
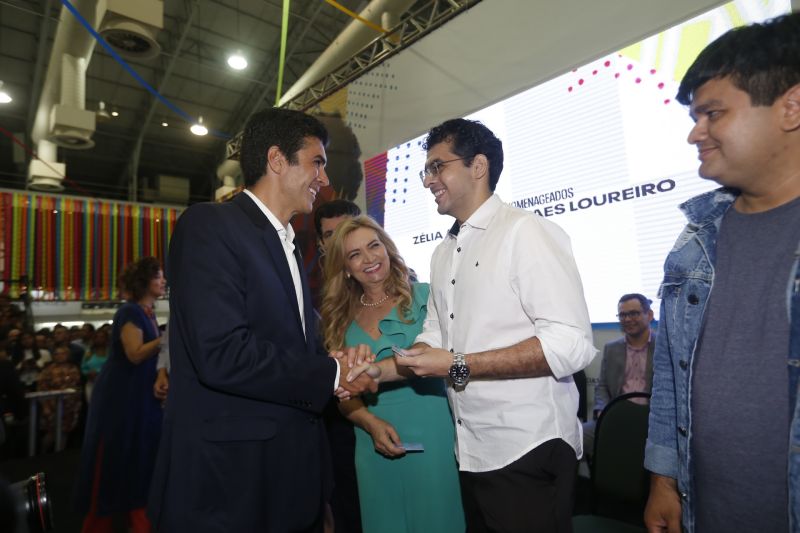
x=507, y=322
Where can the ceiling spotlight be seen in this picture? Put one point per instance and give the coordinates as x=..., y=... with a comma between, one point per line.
x=165, y=123
x=198, y=128
x=5, y=98
x=101, y=113
x=115, y=113
x=237, y=61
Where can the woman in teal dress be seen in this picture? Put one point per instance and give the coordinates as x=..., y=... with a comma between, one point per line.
x=368, y=300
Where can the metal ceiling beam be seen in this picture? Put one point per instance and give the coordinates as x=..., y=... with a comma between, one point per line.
x=137, y=148
x=411, y=29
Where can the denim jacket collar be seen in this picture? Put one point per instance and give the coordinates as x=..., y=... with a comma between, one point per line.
x=709, y=207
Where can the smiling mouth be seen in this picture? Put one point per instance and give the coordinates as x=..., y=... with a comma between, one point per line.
x=702, y=153
x=438, y=193
x=372, y=269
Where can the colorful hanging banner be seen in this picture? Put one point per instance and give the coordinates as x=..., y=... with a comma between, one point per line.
x=67, y=248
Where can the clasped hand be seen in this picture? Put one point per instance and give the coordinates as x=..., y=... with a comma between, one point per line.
x=354, y=384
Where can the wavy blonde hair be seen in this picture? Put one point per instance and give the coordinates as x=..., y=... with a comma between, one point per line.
x=341, y=294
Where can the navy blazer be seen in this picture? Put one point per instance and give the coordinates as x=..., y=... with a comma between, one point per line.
x=243, y=447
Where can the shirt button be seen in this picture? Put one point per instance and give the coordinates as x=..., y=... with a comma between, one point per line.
x=684, y=495
x=682, y=430
x=458, y=249
x=683, y=363
x=451, y=350
x=459, y=421
x=452, y=315
x=453, y=282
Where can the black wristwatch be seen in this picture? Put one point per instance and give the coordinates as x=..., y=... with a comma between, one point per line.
x=459, y=371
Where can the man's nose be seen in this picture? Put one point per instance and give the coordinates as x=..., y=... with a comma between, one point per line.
x=697, y=133
x=323, y=177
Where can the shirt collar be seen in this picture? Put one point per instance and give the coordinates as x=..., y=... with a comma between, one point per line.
x=286, y=233
x=482, y=216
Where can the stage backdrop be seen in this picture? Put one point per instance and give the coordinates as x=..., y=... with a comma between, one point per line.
x=600, y=149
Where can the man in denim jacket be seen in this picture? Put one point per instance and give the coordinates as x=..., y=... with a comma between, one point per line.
x=724, y=440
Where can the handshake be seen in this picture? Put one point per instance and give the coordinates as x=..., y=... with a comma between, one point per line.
x=357, y=373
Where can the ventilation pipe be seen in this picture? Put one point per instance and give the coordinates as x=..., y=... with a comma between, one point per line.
x=227, y=172
x=45, y=174
x=131, y=27
x=61, y=117
x=54, y=117
x=72, y=126
x=354, y=37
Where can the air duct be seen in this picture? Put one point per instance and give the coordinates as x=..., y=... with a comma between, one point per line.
x=131, y=27
x=44, y=174
x=63, y=119
x=72, y=126
x=352, y=39
x=60, y=115
x=227, y=172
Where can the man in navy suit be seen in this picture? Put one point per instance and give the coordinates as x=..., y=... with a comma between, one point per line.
x=243, y=446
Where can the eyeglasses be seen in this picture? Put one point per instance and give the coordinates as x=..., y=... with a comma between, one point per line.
x=433, y=170
x=629, y=314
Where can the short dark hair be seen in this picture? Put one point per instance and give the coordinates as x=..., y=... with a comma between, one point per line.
x=333, y=209
x=137, y=276
x=285, y=128
x=470, y=138
x=761, y=59
x=644, y=300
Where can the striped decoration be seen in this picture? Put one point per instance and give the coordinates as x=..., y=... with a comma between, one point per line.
x=74, y=248
x=375, y=182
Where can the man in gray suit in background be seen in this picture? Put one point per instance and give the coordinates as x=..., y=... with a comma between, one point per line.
x=627, y=364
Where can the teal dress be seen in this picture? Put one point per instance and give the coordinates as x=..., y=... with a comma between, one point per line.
x=419, y=492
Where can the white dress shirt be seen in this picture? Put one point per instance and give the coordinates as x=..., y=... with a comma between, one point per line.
x=509, y=275
x=286, y=235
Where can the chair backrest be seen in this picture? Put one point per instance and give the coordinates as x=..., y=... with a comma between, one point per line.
x=619, y=481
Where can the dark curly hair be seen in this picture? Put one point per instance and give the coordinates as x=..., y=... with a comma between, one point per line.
x=762, y=60
x=137, y=277
x=284, y=128
x=470, y=138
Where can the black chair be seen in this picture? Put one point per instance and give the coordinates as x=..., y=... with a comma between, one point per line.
x=620, y=484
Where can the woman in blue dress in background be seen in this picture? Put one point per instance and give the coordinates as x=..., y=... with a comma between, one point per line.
x=368, y=300
x=124, y=423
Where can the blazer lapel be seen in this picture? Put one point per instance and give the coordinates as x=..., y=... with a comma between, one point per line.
x=308, y=308
x=273, y=243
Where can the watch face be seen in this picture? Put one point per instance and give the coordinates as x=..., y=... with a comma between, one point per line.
x=459, y=373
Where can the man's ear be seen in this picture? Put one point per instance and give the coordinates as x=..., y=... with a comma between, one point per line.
x=275, y=159
x=480, y=167
x=790, y=118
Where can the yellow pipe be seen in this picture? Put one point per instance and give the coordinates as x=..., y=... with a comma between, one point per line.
x=356, y=16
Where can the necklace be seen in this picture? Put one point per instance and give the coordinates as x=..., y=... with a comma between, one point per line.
x=373, y=304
